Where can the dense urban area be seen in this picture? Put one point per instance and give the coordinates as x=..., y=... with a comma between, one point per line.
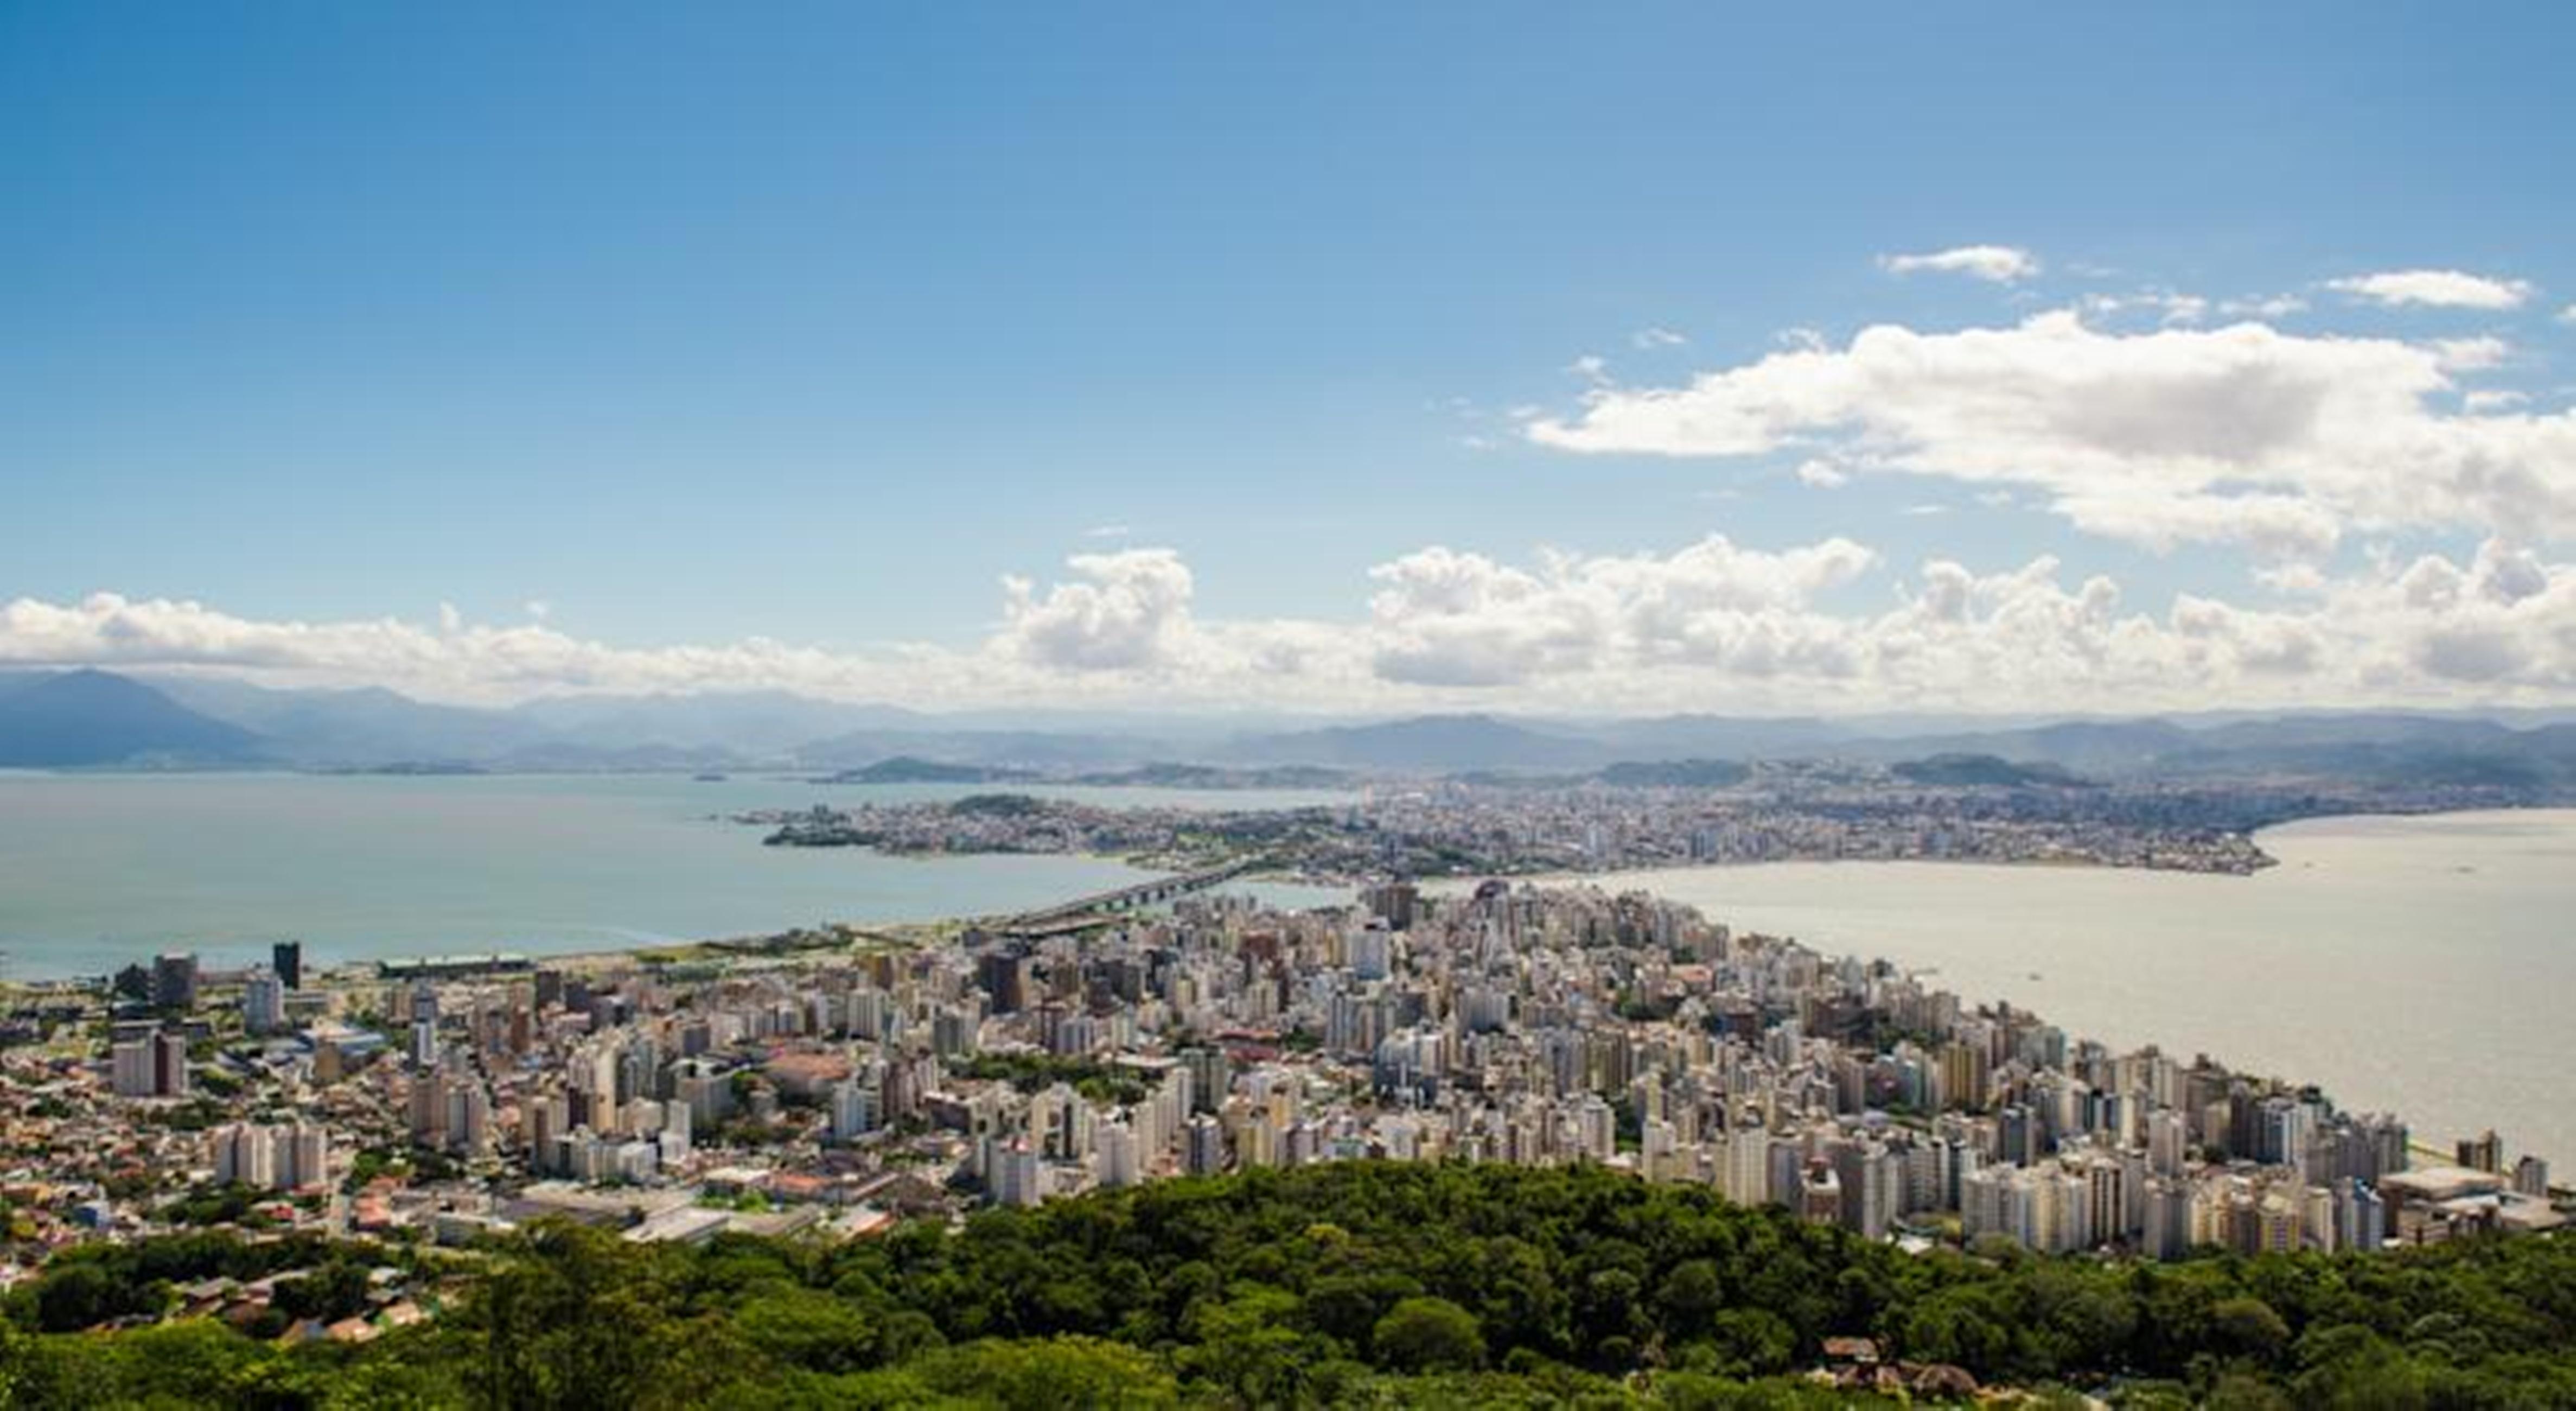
x=333, y=1159
x=1956, y=808
x=1284, y=707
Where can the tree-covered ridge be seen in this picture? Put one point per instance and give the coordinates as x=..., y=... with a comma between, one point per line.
x=1356, y=1283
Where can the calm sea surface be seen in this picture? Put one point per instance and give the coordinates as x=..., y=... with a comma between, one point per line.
x=97, y=870
x=2425, y=965
x=2421, y=965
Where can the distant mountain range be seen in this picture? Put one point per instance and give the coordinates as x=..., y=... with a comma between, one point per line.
x=1439, y=743
x=97, y=719
x=908, y=769
x=86, y=718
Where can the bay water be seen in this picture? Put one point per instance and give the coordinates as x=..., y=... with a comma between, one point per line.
x=2425, y=965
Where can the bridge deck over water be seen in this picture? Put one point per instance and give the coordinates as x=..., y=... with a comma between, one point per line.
x=1082, y=913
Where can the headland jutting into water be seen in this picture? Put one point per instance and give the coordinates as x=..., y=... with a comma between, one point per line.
x=1951, y=808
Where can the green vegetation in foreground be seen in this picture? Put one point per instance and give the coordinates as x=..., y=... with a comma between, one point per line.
x=1350, y=1284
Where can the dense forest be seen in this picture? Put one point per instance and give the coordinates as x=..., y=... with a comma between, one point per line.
x=1348, y=1284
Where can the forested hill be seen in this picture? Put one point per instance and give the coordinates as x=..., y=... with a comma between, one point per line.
x=1348, y=1284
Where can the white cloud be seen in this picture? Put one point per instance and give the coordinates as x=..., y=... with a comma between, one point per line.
x=1124, y=611
x=2434, y=288
x=450, y=658
x=1119, y=631
x=2241, y=433
x=1444, y=618
x=1996, y=264
x=2272, y=527
x=2470, y=354
x=2268, y=307
x=2168, y=306
x=2154, y=433
x=2182, y=308
x=2567, y=314
x=1822, y=474
x=1713, y=626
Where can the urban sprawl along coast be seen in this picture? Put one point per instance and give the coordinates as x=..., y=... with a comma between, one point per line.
x=1963, y=808
x=838, y=1081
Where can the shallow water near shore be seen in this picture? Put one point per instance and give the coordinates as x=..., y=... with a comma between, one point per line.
x=100, y=870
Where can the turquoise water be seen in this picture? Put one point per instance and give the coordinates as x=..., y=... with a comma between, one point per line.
x=2425, y=965
x=97, y=870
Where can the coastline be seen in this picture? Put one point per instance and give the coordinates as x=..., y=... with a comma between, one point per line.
x=2043, y=978
x=2409, y=936
x=140, y=946
x=2408, y=961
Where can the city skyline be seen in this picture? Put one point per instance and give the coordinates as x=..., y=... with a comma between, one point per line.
x=1311, y=363
x=1450, y=704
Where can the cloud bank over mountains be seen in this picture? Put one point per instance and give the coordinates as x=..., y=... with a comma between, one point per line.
x=1711, y=627
x=2398, y=524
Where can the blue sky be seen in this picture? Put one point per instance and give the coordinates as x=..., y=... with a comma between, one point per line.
x=504, y=352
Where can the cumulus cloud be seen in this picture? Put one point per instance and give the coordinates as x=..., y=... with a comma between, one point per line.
x=1445, y=618
x=1125, y=611
x=1717, y=626
x=2125, y=416
x=2241, y=433
x=1996, y=264
x=2434, y=288
x=1712, y=626
x=448, y=658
